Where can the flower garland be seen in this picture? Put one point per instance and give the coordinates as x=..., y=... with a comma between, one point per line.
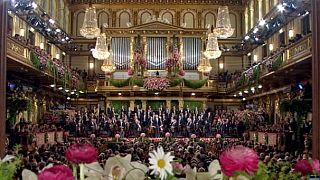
x=156, y=83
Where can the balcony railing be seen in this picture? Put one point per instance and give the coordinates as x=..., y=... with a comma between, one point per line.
x=18, y=51
x=283, y=58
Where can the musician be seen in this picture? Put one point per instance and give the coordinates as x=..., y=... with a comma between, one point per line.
x=173, y=126
x=157, y=126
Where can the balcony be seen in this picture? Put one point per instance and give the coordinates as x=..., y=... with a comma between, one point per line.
x=23, y=62
x=292, y=63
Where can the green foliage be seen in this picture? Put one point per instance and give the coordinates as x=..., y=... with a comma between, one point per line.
x=280, y=170
x=9, y=168
x=195, y=84
x=137, y=81
x=242, y=80
x=176, y=81
x=193, y=105
x=256, y=73
x=277, y=63
x=34, y=59
x=262, y=173
x=117, y=105
x=119, y=82
x=285, y=106
x=155, y=105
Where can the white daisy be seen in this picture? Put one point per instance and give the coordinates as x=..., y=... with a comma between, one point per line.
x=160, y=163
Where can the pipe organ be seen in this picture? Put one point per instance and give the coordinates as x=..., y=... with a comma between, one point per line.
x=121, y=52
x=192, y=47
x=156, y=53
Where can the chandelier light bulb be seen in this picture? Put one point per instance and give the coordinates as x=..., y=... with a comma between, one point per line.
x=90, y=28
x=108, y=66
x=223, y=28
x=212, y=49
x=101, y=52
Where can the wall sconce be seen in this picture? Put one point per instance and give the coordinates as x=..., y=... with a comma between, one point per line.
x=22, y=32
x=270, y=47
x=255, y=58
x=221, y=65
x=41, y=45
x=291, y=33
x=91, y=65
x=57, y=56
x=31, y=29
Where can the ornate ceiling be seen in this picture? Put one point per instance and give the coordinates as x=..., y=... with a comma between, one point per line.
x=178, y=2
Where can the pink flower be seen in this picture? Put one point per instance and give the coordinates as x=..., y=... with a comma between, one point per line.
x=117, y=136
x=142, y=135
x=81, y=153
x=92, y=135
x=130, y=72
x=181, y=72
x=193, y=136
x=303, y=166
x=206, y=73
x=177, y=167
x=58, y=172
x=238, y=158
x=167, y=134
x=155, y=83
x=316, y=166
x=218, y=136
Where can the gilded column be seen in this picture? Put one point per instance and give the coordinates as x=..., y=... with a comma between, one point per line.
x=131, y=51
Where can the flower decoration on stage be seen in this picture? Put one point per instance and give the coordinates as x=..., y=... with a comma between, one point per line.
x=142, y=135
x=316, y=166
x=218, y=136
x=172, y=63
x=161, y=163
x=206, y=73
x=130, y=72
x=193, y=136
x=181, y=72
x=58, y=172
x=117, y=136
x=239, y=158
x=138, y=58
x=167, y=134
x=155, y=83
x=81, y=153
x=305, y=167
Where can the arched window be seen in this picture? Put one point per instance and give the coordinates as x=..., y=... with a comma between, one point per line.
x=124, y=18
x=209, y=19
x=144, y=16
x=79, y=22
x=103, y=17
x=169, y=16
x=188, y=18
x=233, y=21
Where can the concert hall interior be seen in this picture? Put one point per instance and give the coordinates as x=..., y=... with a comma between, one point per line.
x=159, y=89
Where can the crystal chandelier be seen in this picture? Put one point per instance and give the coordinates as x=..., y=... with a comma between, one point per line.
x=204, y=66
x=101, y=52
x=223, y=28
x=108, y=66
x=90, y=28
x=212, y=49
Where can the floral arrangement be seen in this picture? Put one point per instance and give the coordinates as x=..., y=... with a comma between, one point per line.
x=156, y=83
x=130, y=72
x=237, y=163
x=172, y=63
x=181, y=72
x=138, y=58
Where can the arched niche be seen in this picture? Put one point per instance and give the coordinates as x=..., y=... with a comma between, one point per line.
x=189, y=17
x=234, y=24
x=79, y=17
x=123, y=17
x=144, y=17
x=103, y=17
x=208, y=18
x=167, y=14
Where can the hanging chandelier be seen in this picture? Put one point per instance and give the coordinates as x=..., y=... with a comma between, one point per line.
x=212, y=49
x=223, y=28
x=90, y=28
x=101, y=52
x=108, y=66
x=204, y=66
